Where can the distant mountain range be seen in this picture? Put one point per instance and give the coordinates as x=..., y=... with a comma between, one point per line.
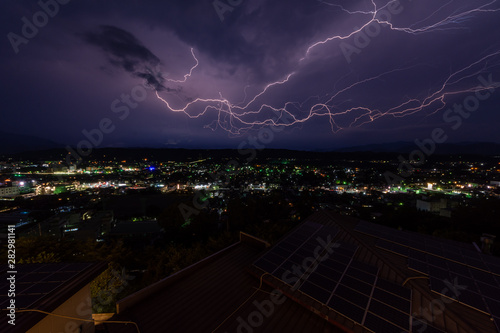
x=11, y=143
x=32, y=146
x=466, y=148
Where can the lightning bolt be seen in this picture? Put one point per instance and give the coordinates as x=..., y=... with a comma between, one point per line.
x=190, y=71
x=237, y=118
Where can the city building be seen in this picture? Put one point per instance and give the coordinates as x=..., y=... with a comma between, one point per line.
x=9, y=191
x=433, y=206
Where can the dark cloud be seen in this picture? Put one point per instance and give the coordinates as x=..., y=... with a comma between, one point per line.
x=125, y=51
x=257, y=43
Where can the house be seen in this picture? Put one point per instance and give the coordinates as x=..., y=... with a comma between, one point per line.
x=332, y=273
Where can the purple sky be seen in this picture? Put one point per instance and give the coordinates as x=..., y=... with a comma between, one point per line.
x=385, y=71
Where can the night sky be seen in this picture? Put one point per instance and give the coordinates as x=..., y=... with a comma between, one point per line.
x=209, y=74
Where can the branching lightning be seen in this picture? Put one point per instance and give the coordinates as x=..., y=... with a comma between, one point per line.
x=240, y=116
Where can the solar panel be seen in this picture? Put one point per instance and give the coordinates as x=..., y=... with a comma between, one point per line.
x=473, y=300
x=494, y=268
x=394, y=288
x=353, y=296
x=400, y=249
x=329, y=272
x=383, y=244
x=33, y=277
x=458, y=268
x=333, y=264
x=28, y=268
x=76, y=267
x=475, y=263
x=346, y=249
x=378, y=324
x=438, y=273
x=357, y=285
x=281, y=251
x=389, y=298
x=448, y=250
x=436, y=261
x=472, y=254
x=360, y=275
x=288, y=253
x=35, y=281
x=494, y=306
x=433, y=249
x=316, y=292
x=25, y=301
x=347, y=285
x=446, y=262
x=395, y=316
x=463, y=282
x=418, y=266
x=274, y=258
x=483, y=277
x=298, y=257
x=455, y=256
x=289, y=266
x=62, y=276
x=324, y=282
x=488, y=290
x=42, y=288
x=439, y=286
x=496, y=320
x=341, y=258
x=491, y=260
x=286, y=276
x=265, y=265
x=364, y=267
x=347, y=308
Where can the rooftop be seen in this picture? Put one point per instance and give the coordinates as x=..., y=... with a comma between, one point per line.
x=43, y=287
x=334, y=273
x=204, y=300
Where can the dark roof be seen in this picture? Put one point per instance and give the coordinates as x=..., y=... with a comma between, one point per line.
x=363, y=289
x=368, y=283
x=43, y=287
x=206, y=298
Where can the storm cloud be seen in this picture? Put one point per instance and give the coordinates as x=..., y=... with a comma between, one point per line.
x=125, y=51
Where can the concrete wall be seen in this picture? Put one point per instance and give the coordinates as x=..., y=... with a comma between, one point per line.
x=79, y=306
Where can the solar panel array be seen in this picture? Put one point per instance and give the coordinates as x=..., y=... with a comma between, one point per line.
x=296, y=247
x=35, y=281
x=454, y=270
x=335, y=279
